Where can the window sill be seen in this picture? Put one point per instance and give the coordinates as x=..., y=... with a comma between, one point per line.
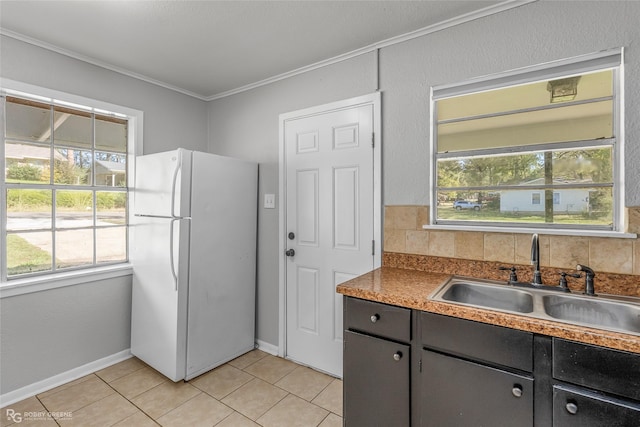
x=523, y=230
x=58, y=280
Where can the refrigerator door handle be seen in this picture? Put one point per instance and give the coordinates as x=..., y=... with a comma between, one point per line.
x=173, y=269
x=173, y=184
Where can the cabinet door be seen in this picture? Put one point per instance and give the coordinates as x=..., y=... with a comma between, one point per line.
x=457, y=392
x=376, y=381
x=575, y=407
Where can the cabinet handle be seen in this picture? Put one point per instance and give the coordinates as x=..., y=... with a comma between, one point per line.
x=517, y=390
x=397, y=356
x=375, y=318
x=572, y=408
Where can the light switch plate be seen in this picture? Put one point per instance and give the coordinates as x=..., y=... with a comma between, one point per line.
x=269, y=201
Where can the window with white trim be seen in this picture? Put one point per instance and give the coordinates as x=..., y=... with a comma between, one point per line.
x=65, y=186
x=537, y=148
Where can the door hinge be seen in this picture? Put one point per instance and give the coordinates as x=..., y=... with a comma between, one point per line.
x=373, y=140
x=420, y=365
x=373, y=247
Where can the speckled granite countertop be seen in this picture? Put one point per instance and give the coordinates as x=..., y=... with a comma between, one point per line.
x=411, y=289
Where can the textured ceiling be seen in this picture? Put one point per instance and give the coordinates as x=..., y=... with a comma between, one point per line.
x=208, y=48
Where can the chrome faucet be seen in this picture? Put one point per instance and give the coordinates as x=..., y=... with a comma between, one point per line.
x=535, y=260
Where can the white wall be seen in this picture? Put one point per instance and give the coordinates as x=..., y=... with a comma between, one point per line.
x=247, y=124
x=50, y=332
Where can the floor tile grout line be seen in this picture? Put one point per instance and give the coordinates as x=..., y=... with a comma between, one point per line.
x=129, y=400
x=82, y=407
x=45, y=407
x=274, y=384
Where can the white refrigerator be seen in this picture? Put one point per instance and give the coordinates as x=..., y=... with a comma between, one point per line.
x=193, y=253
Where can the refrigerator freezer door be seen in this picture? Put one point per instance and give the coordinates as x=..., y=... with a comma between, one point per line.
x=159, y=302
x=162, y=184
x=222, y=274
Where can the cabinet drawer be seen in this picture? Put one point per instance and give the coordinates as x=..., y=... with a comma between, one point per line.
x=583, y=408
x=480, y=341
x=383, y=320
x=457, y=392
x=612, y=371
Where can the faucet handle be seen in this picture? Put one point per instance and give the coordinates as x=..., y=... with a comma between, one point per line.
x=513, y=276
x=563, y=280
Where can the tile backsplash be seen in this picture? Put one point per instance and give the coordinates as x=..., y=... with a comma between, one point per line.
x=403, y=234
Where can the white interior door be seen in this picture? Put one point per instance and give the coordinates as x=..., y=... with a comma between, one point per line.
x=330, y=225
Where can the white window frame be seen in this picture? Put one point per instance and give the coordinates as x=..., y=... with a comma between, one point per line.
x=45, y=281
x=609, y=59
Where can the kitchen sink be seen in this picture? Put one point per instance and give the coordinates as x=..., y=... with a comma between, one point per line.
x=496, y=297
x=596, y=312
x=609, y=312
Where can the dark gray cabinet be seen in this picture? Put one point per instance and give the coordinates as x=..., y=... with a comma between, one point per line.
x=377, y=372
x=457, y=392
x=475, y=374
x=413, y=368
x=594, y=386
x=581, y=407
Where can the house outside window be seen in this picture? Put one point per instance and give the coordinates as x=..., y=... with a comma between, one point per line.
x=537, y=148
x=65, y=187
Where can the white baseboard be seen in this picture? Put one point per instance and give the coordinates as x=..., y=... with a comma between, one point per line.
x=267, y=348
x=63, y=378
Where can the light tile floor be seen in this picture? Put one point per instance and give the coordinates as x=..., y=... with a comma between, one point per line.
x=256, y=389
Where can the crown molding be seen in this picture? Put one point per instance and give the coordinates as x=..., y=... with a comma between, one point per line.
x=96, y=62
x=468, y=17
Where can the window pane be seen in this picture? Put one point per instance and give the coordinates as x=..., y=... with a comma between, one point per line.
x=568, y=123
x=531, y=95
x=589, y=206
x=28, y=209
x=74, y=209
x=111, y=244
x=72, y=129
x=63, y=149
x=27, y=120
x=111, y=207
x=111, y=134
x=28, y=253
x=588, y=165
x=72, y=167
x=74, y=248
x=27, y=163
x=111, y=169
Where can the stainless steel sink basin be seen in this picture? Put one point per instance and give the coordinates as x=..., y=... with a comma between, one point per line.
x=614, y=313
x=496, y=297
x=594, y=312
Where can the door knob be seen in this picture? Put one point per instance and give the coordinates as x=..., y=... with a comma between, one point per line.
x=291, y=235
x=290, y=252
x=397, y=356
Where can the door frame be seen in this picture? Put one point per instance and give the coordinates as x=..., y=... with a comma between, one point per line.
x=373, y=99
